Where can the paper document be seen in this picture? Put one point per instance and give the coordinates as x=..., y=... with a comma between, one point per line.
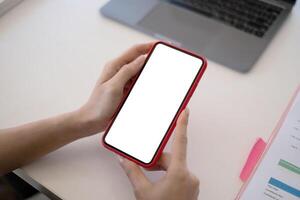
x=278, y=174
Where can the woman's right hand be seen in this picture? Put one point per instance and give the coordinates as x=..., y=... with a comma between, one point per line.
x=178, y=183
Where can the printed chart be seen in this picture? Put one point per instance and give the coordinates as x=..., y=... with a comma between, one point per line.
x=278, y=175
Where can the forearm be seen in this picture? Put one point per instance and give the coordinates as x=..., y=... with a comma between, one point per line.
x=25, y=143
x=20, y=145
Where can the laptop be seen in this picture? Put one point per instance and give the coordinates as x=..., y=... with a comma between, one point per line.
x=6, y=5
x=233, y=33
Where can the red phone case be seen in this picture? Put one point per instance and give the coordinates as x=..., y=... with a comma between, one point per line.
x=173, y=123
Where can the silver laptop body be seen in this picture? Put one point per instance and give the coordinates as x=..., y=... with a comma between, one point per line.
x=219, y=42
x=6, y=5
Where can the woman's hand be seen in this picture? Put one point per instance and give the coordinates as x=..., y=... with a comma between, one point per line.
x=178, y=183
x=44, y=136
x=113, y=83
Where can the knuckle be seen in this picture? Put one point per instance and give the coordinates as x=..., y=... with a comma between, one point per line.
x=129, y=68
x=181, y=175
x=137, y=47
x=125, y=69
x=183, y=139
x=133, y=49
x=112, y=89
x=109, y=64
x=195, y=181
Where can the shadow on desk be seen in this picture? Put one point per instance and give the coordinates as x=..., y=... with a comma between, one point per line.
x=12, y=187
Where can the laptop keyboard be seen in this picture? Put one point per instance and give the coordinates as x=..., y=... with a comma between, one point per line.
x=251, y=16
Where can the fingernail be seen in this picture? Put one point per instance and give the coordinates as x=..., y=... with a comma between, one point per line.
x=187, y=112
x=120, y=158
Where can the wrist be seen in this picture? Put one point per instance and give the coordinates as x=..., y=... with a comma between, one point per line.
x=86, y=124
x=75, y=125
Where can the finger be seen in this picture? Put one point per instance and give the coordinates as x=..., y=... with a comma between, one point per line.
x=128, y=71
x=132, y=53
x=180, y=139
x=163, y=163
x=116, y=64
x=136, y=176
x=108, y=72
x=195, y=184
x=128, y=85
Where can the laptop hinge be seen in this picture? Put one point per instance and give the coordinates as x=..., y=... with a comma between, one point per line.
x=277, y=3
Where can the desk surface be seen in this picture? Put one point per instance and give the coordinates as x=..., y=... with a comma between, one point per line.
x=51, y=53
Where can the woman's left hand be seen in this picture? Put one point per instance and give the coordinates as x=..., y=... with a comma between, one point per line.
x=113, y=83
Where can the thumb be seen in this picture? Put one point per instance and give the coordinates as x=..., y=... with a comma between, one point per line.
x=128, y=71
x=134, y=173
x=179, y=147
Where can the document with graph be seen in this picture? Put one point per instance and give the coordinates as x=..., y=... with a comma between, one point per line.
x=277, y=176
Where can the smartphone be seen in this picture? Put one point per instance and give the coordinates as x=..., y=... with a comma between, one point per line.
x=147, y=115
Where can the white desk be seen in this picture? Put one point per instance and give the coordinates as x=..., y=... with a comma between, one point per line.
x=51, y=53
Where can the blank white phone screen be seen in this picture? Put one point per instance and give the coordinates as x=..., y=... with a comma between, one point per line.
x=153, y=102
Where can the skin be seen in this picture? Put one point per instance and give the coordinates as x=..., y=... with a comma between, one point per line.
x=178, y=183
x=23, y=144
